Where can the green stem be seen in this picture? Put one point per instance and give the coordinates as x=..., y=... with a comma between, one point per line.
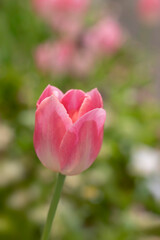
x=53, y=206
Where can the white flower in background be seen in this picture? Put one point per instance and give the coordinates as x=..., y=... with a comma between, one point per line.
x=6, y=136
x=21, y=197
x=145, y=161
x=11, y=171
x=153, y=185
x=38, y=213
x=143, y=219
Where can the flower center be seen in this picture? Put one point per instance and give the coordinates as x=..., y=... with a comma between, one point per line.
x=74, y=115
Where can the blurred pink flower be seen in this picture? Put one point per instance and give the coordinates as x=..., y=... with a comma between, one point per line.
x=149, y=10
x=83, y=62
x=69, y=25
x=55, y=57
x=106, y=37
x=64, y=57
x=64, y=15
x=49, y=6
x=68, y=129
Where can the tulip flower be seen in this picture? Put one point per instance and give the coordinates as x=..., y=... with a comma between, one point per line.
x=64, y=15
x=63, y=57
x=55, y=57
x=149, y=10
x=68, y=129
x=106, y=37
x=68, y=135
x=45, y=7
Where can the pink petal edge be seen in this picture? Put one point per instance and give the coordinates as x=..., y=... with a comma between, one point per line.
x=93, y=100
x=72, y=101
x=82, y=142
x=51, y=124
x=48, y=91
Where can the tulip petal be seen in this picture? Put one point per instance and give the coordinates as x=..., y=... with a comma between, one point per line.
x=82, y=142
x=93, y=100
x=51, y=124
x=48, y=91
x=72, y=101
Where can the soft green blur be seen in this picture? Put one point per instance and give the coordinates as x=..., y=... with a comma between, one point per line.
x=116, y=199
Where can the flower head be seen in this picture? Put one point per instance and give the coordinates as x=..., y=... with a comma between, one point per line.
x=105, y=37
x=55, y=57
x=68, y=129
x=64, y=15
x=149, y=10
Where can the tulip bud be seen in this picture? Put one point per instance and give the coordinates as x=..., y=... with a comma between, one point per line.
x=55, y=57
x=106, y=37
x=64, y=15
x=68, y=129
x=149, y=10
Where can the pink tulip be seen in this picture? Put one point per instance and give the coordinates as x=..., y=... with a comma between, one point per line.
x=55, y=57
x=70, y=25
x=45, y=7
x=149, y=10
x=106, y=37
x=64, y=15
x=68, y=129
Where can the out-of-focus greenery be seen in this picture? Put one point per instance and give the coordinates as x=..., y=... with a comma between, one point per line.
x=109, y=201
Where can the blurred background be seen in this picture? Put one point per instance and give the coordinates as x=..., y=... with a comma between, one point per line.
x=111, y=45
